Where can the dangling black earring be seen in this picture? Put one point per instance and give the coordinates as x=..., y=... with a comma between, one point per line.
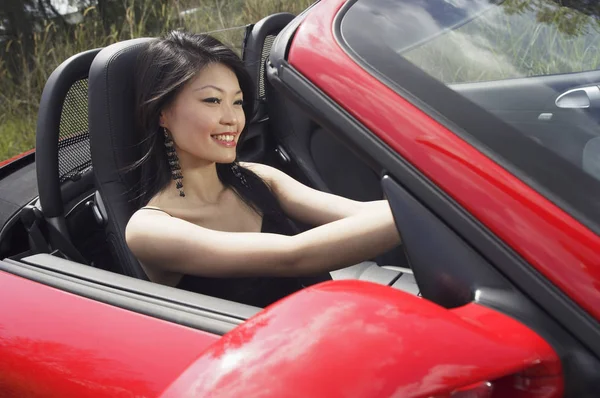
x=237, y=172
x=173, y=160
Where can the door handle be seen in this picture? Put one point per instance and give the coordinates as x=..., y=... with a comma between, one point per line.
x=579, y=98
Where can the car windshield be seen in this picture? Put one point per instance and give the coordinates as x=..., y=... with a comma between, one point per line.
x=424, y=20
x=475, y=40
x=510, y=39
x=534, y=65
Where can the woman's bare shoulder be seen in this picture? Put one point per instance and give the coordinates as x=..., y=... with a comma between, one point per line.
x=153, y=210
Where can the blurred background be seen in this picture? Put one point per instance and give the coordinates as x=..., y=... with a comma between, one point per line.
x=37, y=35
x=521, y=38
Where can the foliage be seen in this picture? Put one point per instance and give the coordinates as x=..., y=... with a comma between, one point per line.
x=518, y=38
x=28, y=56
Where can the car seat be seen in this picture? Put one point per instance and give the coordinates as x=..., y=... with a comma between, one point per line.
x=62, y=156
x=113, y=146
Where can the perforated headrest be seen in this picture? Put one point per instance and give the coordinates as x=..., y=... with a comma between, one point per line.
x=62, y=140
x=111, y=104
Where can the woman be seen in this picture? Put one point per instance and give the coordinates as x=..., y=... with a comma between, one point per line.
x=212, y=225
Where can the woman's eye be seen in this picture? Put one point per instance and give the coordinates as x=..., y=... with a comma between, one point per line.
x=212, y=100
x=239, y=102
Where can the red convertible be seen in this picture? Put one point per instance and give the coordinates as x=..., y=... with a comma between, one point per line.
x=478, y=121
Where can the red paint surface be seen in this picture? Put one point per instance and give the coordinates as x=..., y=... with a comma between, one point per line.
x=56, y=344
x=359, y=339
x=561, y=248
x=16, y=157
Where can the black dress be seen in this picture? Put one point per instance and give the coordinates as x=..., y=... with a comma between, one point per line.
x=255, y=291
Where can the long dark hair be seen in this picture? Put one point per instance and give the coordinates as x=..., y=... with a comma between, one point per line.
x=163, y=68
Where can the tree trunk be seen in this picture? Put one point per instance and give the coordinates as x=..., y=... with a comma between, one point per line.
x=18, y=27
x=103, y=11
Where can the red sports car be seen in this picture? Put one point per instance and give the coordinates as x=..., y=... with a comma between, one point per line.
x=477, y=119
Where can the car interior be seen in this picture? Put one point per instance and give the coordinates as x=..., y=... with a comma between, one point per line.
x=78, y=196
x=85, y=141
x=64, y=210
x=545, y=107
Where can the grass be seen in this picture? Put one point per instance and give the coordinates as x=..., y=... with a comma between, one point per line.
x=503, y=45
x=15, y=136
x=20, y=92
x=500, y=44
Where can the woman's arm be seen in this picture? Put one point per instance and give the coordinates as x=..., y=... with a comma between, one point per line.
x=171, y=244
x=305, y=204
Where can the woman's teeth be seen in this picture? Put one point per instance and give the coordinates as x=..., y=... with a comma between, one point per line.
x=224, y=137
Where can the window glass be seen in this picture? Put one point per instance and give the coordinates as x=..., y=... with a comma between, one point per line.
x=533, y=65
x=513, y=39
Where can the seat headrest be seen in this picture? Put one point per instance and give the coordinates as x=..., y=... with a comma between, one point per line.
x=111, y=104
x=113, y=142
x=61, y=115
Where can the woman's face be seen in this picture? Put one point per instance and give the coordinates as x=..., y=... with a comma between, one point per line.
x=207, y=117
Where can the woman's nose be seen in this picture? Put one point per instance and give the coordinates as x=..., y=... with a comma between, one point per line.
x=229, y=116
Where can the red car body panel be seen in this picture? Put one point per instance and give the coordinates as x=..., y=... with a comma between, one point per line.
x=53, y=343
x=559, y=247
x=354, y=338
x=16, y=157
x=338, y=338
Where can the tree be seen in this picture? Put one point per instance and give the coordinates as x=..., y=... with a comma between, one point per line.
x=571, y=17
x=17, y=20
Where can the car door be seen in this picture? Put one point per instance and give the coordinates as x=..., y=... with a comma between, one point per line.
x=561, y=111
x=486, y=213
x=54, y=343
x=69, y=330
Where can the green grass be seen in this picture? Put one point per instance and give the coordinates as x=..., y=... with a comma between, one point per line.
x=506, y=43
x=15, y=133
x=501, y=45
x=20, y=92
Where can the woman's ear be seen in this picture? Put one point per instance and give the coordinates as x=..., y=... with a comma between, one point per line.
x=162, y=120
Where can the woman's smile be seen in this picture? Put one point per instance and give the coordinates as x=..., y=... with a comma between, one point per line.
x=227, y=139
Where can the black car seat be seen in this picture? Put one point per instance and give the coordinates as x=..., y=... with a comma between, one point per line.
x=111, y=125
x=113, y=147
x=257, y=47
x=63, y=161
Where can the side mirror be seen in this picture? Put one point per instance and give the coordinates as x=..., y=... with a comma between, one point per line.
x=359, y=339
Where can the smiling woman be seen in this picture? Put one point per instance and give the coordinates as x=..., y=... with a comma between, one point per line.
x=189, y=91
x=212, y=104
x=209, y=224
